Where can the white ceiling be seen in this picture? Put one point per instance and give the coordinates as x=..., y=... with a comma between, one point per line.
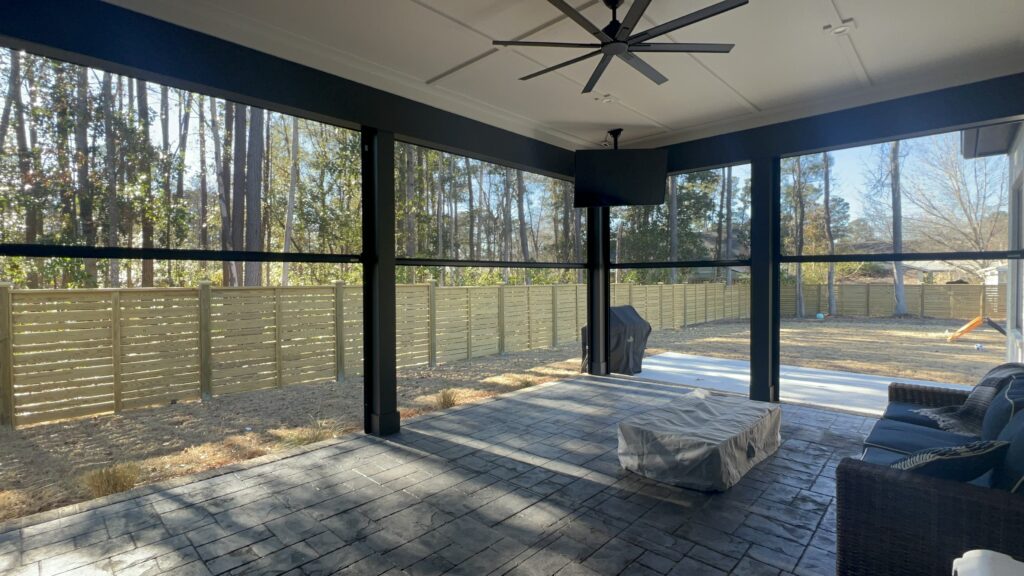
x=784, y=65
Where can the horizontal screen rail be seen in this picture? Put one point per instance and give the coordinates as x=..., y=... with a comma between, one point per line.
x=487, y=263
x=904, y=257
x=108, y=252
x=680, y=264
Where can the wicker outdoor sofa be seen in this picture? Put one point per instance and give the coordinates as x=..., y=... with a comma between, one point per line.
x=894, y=522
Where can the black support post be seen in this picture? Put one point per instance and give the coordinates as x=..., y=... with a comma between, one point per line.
x=598, y=289
x=380, y=386
x=765, y=249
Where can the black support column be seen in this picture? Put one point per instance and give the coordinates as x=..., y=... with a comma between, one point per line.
x=598, y=288
x=380, y=387
x=765, y=248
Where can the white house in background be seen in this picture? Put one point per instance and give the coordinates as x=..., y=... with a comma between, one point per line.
x=994, y=275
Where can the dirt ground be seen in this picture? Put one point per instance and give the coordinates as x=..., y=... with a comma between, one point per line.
x=41, y=466
x=911, y=348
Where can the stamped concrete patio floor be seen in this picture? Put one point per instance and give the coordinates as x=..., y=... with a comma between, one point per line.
x=526, y=483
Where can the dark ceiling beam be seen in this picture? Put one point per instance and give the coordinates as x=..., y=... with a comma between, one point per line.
x=996, y=100
x=101, y=35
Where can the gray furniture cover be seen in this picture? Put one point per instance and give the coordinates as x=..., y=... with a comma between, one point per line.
x=702, y=441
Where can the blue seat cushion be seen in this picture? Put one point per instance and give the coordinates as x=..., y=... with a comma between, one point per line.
x=907, y=412
x=1007, y=403
x=905, y=438
x=1009, y=475
x=881, y=456
x=961, y=463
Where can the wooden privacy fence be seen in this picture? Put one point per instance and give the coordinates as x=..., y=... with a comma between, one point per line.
x=946, y=301
x=70, y=353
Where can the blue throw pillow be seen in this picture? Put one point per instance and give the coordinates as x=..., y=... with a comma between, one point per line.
x=968, y=417
x=1007, y=403
x=1009, y=475
x=961, y=463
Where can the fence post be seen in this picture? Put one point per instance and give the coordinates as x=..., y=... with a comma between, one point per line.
x=661, y=305
x=923, y=286
x=576, y=311
x=6, y=358
x=339, y=330
x=529, y=320
x=686, y=297
x=982, y=300
x=867, y=299
x=469, y=323
x=705, y=303
x=278, y=344
x=554, y=315
x=205, y=356
x=432, y=322
x=115, y=341
x=501, y=319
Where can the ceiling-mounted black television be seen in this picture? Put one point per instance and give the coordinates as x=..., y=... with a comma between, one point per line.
x=620, y=177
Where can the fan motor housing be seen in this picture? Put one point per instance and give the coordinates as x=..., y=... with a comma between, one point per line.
x=615, y=48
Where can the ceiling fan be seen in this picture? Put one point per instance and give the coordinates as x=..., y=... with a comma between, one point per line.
x=616, y=39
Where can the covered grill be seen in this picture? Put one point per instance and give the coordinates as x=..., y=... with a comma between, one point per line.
x=627, y=340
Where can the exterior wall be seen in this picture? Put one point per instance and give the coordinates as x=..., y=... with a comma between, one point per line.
x=1015, y=286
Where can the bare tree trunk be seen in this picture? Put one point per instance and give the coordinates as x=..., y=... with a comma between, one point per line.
x=222, y=161
x=721, y=215
x=238, y=192
x=165, y=171
x=728, y=224
x=253, y=193
x=85, y=192
x=409, y=219
x=147, y=218
x=832, y=308
x=506, y=222
x=620, y=250
x=900, y=305
x=5, y=117
x=798, y=196
x=25, y=165
x=578, y=243
x=524, y=240
x=113, y=209
x=184, y=115
x=453, y=198
x=472, y=215
x=204, y=189
x=673, y=227
x=62, y=142
x=293, y=186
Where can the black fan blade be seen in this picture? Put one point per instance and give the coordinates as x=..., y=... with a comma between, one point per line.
x=547, y=44
x=562, y=65
x=683, y=47
x=636, y=11
x=643, y=67
x=693, y=18
x=605, y=60
x=580, y=19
